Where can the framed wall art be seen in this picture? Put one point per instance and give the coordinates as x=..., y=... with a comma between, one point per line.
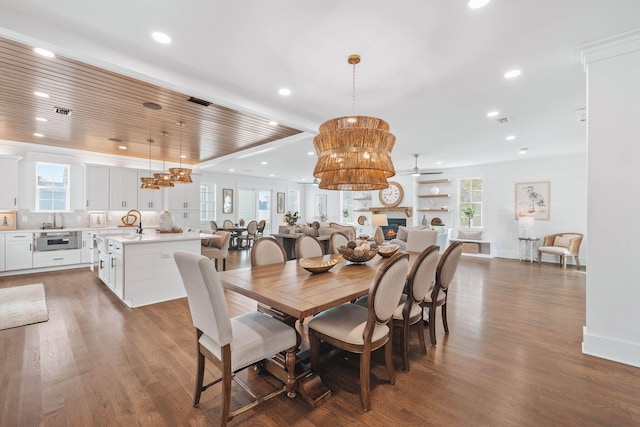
x=280, y=203
x=7, y=221
x=320, y=207
x=227, y=200
x=97, y=220
x=533, y=200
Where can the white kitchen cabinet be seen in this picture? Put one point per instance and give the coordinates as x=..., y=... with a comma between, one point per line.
x=123, y=189
x=185, y=196
x=96, y=188
x=148, y=200
x=56, y=258
x=18, y=251
x=2, y=252
x=116, y=270
x=9, y=176
x=87, y=248
x=186, y=219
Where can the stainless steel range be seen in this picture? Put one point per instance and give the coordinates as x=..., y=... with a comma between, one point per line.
x=57, y=240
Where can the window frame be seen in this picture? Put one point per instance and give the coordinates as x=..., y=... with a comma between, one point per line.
x=66, y=179
x=478, y=220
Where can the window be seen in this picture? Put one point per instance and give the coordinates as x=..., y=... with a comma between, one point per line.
x=347, y=207
x=470, y=191
x=52, y=187
x=255, y=205
x=207, y=202
x=293, y=202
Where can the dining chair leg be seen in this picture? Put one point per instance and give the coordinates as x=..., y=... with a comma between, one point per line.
x=215, y=263
x=226, y=384
x=388, y=360
x=365, y=378
x=432, y=325
x=577, y=261
x=224, y=264
x=423, y=346
x=404, y=345
x=199, y=379
x=444, y=318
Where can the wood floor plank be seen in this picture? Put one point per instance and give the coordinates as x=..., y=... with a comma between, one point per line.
x=513, y=358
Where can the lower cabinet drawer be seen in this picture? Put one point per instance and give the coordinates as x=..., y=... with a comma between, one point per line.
x=53, y=258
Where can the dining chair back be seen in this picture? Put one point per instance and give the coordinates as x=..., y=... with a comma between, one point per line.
x=357, y=329
x=421, y=279
x=227, y=223
x=308, y=247
x=231, y=344
x=214, y=226
x=261, y=225
x=217, y=248
x=337, y=240
x=248, y=238
x=445, y=272
x=267, y=251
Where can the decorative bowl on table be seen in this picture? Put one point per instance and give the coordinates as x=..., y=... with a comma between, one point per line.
x=318, y=265
x=385, y=251
x=358, y=253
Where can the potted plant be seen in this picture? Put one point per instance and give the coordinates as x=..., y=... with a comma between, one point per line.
x=291, y=219
x=469, y=212
x=345, y=214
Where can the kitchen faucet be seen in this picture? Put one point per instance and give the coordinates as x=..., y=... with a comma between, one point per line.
x=139, y=229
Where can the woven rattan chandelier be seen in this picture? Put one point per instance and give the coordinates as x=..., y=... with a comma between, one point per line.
x=180, y=175
x=149, y=182
x=354, y=152
x=163, y=179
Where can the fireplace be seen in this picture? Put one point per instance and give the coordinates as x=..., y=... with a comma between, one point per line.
x=391, y=230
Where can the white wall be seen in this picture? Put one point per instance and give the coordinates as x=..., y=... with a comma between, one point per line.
x=612, y=328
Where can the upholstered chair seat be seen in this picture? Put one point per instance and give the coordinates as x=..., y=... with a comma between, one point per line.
x=346, y=323
x=217, y=248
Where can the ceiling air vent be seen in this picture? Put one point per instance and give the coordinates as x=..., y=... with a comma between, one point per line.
x=199, y=101
x=63, y=111
x=503, y=120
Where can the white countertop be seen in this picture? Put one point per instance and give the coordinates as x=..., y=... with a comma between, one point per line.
x=151, y=237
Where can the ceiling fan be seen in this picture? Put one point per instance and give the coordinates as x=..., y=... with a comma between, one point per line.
x=416, y=171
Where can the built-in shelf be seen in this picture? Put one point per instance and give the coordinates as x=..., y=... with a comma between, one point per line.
x=434, y=210
x=405, y=209
x=435, y=181
x=361, y=210
x=431, y=196
x=362, y=198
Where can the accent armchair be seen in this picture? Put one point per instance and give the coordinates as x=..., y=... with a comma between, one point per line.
x=562, y=245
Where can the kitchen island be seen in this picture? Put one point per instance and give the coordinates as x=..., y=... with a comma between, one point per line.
x=139, y=268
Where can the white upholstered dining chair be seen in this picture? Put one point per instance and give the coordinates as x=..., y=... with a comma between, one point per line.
x=337, y=240
x=232, y=344
x=308, y=247
x=217, y=248
x=357, y=329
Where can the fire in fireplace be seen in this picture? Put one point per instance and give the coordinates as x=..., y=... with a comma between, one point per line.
x=391, y=230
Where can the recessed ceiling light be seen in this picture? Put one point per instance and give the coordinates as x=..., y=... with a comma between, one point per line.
x=510, y=138
x=310, y=153
x=438, y=162
x=183, y=156
x=263, y=163
x=271, y=175
x=152, y=105
x=122, y=147
x=44, y=52
x=161, y=37
x=41, y=94
x=284, y=91
x=232, y=170
x=477, y=4
x=512, y=73
x=273, y=123
x=492, y=113
x=523, y=151
x=42, y=119
x=39, y=135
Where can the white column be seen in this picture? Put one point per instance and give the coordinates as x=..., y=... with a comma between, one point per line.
x=613, y=209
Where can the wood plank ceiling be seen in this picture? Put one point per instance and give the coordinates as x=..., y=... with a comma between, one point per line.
x=105, y=105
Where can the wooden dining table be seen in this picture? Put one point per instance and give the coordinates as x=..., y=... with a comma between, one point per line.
x=290, y=289
x=235, y=231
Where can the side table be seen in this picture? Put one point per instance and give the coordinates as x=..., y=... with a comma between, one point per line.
x=530, y=252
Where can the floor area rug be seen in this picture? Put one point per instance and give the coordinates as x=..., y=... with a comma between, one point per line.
x=22, y=305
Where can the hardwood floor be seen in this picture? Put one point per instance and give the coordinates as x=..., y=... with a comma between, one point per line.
x=513, y=358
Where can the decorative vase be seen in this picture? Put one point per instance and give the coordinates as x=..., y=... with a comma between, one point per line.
x=434, y=190
x=165, y=222
x=424, y=220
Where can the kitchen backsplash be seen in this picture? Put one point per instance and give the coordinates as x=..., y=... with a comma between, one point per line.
x=27, y=220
